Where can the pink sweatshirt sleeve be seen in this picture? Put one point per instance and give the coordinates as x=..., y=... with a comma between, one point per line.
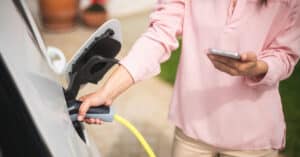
x=156, y=44
x=283, y=53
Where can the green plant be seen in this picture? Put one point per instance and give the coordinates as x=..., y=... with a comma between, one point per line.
x=289, y=90
x=169, y=68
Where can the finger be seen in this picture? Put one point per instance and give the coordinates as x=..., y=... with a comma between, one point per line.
x=87, y=121
x=98, y=121
x=82, y=98
x=247, y=68
x=82, y=110
x=249, y=56
x=242, y=67
x=224, y=68
x=93, y=121
x=108, y=103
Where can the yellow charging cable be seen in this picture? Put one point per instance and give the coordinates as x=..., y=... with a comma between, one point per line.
x=136, y=133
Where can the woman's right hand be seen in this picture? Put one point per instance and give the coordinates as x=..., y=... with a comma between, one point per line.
x=119, y=81
x=94, y=99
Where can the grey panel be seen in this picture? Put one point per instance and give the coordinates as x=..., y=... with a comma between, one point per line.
x=38, y=86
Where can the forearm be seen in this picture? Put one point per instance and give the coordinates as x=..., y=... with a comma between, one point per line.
x=157, y=43
x=282, y=53
x=117, y=83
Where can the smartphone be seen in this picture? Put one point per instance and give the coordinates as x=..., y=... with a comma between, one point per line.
x=224, y=53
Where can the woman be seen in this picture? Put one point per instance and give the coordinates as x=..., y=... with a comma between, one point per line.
x=220, y=105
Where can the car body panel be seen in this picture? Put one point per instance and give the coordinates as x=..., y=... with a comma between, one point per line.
x=38, y=85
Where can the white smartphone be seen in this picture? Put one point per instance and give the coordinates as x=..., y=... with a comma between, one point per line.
x=224, y=53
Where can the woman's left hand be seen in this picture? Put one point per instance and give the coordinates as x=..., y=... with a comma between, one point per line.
x=248, y=65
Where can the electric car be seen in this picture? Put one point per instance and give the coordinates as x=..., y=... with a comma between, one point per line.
x=34, y=107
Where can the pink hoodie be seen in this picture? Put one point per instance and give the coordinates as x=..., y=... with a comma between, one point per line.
x=214, y=107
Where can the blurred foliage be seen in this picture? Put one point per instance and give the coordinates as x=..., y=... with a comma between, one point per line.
x=290, y=93
x=169, y=68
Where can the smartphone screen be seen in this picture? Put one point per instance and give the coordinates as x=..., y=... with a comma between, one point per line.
x=224, y=53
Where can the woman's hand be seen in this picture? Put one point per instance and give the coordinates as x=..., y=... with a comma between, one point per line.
x=97, y=98
x=118, y=82
x=248, y=65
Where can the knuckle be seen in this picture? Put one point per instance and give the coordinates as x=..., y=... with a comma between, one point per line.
x=214, y=64
x=217, y=66
x=254, y=64
x=108, y=102
x=233, y=73
x=241, y=69
x=221, y=69
x=83, y=108
x=237, y=66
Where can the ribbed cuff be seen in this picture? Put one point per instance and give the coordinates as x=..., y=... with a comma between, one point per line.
x=270, y=78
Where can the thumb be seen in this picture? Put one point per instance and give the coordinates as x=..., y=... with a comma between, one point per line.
x=82, y=110
x=250, y=56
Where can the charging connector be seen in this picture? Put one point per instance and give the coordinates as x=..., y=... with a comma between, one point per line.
x=107, y=114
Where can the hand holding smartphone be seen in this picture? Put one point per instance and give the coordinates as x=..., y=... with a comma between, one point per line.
x=224, y=53
x=233, y=64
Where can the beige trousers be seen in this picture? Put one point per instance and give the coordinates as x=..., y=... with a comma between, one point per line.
x=184, y=146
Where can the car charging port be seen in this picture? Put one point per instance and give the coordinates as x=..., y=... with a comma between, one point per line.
x=72, y=109
x=94, y=62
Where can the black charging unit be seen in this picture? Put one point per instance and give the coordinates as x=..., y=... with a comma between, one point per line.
x=98, y=57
